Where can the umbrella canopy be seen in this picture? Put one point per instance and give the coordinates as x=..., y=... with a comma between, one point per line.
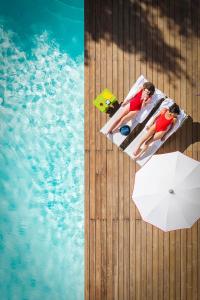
x=167, y=191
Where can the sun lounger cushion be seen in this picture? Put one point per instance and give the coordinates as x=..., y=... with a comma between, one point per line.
x=117, y=138
x=157, y=144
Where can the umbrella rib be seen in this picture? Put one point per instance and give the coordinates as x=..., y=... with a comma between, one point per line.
x=182, y=197
x=153, y=209
x=180, y=208
x=188, y=174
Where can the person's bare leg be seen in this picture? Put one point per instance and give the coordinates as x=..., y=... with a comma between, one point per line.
x=130, y=115
x=155, y=137
x=123, y=113
x=146, y=137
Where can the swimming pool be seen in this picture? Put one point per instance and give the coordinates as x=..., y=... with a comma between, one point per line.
x=41, y=150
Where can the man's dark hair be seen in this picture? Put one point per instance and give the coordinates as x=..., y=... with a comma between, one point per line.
x=174, y=108
x=150, y=87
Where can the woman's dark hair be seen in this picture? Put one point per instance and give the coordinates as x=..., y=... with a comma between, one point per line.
x=150, y=87
x=174, y=108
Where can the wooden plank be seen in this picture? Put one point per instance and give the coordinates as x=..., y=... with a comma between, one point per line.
x=149, y=44
x=166, y=285
x=103, y=184
x=98, y=261
x=116, y=171
x=126, y=212
x=183, y=265
x=126, y=259
x=115, y=46
x=121, y=259
x=109, y=64
x=189, y=148
x=166, y=257
x=103, y=66
x=178, y=265
x=121, y=156
x=92, y=259
x=195, y=7
x=132, y=167
x=183, y=143
x=195, y=112
x=149, y=262
x=155, y=254
x=194, y=262
x=138, y=261
x=132, y=259
x=177, y=145
x=137, y=39
x=195, y=87
x=115, y=184
x=143, y=38
x=98, y=123
x=87, y=226
x=160, y=52
x=92, y=178
x=126, y=204
x=144, y=260
x=172, y=237
x=189, y=265
x=109, y=225
x=98, y=176
x=161, y=266
x=103, y=259
x=109, y=271
x=103, y=70
x=152, y=50
x=115, y=242
x=137, y=33
x=172, y=264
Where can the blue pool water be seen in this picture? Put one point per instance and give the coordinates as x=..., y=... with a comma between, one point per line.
x=41, y=150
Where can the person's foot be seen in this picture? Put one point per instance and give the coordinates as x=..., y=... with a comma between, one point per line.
x=137, y=151
x=108, y=132
x=143, y=149
x=115, y=130
x=137, y=156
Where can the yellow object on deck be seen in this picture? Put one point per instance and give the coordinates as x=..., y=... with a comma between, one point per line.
x=104, y=100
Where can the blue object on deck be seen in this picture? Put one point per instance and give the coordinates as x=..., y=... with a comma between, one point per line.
x=125, y=130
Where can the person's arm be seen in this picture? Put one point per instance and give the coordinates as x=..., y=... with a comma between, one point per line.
x=128, y=100
x=145, y=102
x=169, y=129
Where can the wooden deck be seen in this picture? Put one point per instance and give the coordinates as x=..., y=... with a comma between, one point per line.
x=126, y=258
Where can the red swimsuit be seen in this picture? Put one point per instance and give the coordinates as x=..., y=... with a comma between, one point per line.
x=136, y=102
x=162, y=123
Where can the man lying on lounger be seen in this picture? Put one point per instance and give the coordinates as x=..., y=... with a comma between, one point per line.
x=161, y=124
x=132, y=106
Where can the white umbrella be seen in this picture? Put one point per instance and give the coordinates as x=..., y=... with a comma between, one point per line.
x=167, y=191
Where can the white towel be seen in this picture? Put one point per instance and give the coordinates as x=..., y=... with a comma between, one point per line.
x=157, y=144
x=117, y=138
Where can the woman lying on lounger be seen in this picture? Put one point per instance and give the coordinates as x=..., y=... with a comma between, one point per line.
x=132, y=106
x=161, y=124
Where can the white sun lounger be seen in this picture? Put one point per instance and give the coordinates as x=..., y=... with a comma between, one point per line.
x=157, y=144
x=117, y=138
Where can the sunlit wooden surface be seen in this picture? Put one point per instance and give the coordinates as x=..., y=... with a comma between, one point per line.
x=126, y=258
